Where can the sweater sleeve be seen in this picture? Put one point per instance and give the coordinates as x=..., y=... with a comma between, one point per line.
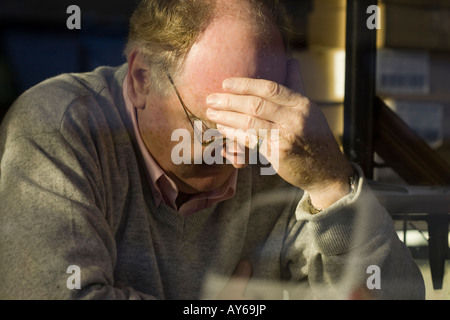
x=351, y=251
x=51, y=219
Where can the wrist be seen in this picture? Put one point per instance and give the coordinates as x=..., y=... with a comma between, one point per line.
x=330, y=193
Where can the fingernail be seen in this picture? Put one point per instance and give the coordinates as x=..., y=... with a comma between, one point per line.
x=211, y=113
x=221, y=128
x=228, y=84
x=212, y=99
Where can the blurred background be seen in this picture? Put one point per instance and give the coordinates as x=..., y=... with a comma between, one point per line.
x=412, y=78
x=36, y=43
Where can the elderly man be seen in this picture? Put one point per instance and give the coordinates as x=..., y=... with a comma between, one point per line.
x=101, y=199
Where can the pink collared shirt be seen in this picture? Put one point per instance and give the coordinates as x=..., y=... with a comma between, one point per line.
x=163, y=188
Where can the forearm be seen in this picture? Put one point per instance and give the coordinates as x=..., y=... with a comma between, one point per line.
x=348, y=238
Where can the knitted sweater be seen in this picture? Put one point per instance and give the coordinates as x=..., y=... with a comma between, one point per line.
x=77, y=217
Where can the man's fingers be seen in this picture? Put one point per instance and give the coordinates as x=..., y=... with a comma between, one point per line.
x=246, y=104
x=239, y=120
x=265, y=89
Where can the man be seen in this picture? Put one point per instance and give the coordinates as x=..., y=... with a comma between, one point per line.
x=96, y=203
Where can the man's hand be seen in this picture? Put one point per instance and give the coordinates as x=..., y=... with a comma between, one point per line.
x=308, y=155
x=235, y=288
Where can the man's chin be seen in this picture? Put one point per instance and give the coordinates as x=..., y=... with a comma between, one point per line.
x=207, y=178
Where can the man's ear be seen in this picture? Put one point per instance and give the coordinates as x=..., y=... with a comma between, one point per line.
x=138, y=80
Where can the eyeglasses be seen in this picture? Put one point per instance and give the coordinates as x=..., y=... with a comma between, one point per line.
x=192, y=119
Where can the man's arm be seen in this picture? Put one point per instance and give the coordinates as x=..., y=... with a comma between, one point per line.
x=51, y=218
x=354, y=251
x=351, y=229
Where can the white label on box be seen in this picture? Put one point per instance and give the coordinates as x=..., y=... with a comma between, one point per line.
x=402, y=72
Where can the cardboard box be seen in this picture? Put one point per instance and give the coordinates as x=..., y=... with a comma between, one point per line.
x=326, y=28
x=333, y=4
x=323, y=73
x=415, y=27
x=401, y=27
x=422, y=3
x=328, y=4
x=413, y=75
x=403, y=72
x=334, y=113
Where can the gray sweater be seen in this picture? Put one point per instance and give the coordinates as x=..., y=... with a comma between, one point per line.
x=73, y=192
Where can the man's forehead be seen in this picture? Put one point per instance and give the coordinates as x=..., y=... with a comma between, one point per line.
x=231, y=47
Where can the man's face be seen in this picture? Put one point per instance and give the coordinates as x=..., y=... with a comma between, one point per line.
x=227, y=48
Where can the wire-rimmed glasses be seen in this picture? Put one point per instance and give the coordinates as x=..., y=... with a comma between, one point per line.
x=192, y=118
